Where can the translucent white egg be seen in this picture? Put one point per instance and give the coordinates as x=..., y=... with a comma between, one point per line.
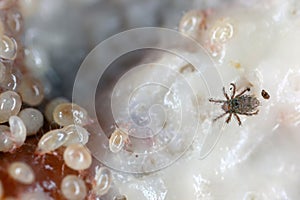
x=8, y=48
x=10, y=104
x=68, y=113
x=6, y=143
x=17, y=130
x=222, y=31
x=193, y=22
x=21, y=172
x=51, y=141
x=52, y=105
x=14, y=21
x=31, y=90
x=10, y=82
x=77, y=157
x=76, y=135
x=102, y=181
x=117, y=140
x=33, y=120
x=73, y=188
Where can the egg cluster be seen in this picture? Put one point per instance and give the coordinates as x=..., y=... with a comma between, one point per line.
x=40, y=159
x=213, y=33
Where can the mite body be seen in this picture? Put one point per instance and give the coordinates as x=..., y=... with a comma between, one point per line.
x=240, y=104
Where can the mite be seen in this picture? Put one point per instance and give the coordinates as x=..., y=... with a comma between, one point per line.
x=240, y=104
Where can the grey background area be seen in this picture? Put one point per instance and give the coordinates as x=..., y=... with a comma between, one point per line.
x=64, y=31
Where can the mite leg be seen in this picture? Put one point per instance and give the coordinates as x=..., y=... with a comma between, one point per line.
x=225, y=94
x=229, y=118
x=217, y=101
x=233, y=91
x=220, y=116
x=238, y=118
x=245, y=90
x=249, y=114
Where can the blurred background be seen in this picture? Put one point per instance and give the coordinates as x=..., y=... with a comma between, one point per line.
x=60, y=33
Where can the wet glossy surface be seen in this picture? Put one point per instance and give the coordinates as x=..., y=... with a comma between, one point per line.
x=49, y=170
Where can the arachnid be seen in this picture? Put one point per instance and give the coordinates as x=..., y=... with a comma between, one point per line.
x=240, y=104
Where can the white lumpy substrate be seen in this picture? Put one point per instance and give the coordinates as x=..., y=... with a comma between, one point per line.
x=259, y=160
